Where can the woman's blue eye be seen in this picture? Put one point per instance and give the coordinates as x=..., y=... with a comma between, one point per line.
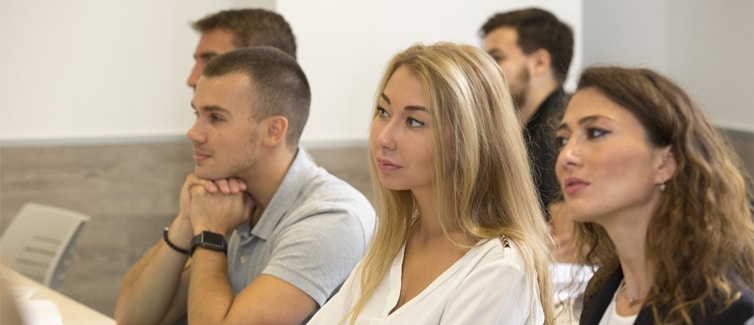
x=381, y=112
x=414, y=123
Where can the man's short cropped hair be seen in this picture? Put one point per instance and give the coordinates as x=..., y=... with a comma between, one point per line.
x=278, y=85
x=251, y=27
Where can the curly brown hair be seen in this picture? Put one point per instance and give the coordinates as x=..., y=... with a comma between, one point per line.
x=700, y=240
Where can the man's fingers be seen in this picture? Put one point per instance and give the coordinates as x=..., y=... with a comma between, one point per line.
x=222, y=185
x=234, y=186
x=211, y=187
x=197, y=190
x=192, y=180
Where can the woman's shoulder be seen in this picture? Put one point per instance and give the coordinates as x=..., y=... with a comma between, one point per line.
x=500, y=251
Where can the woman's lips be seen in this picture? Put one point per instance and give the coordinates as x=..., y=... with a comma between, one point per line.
x=387, y=165
x=573, y=185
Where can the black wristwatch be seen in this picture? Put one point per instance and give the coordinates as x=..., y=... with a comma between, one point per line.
x=209, y=240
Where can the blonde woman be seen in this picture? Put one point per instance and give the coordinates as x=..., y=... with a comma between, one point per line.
x=460, y=236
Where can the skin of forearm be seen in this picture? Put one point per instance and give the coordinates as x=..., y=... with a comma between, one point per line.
x=210, y=293
x=149, y=287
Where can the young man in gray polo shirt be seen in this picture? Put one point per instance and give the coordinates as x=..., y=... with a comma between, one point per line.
x=293, y=231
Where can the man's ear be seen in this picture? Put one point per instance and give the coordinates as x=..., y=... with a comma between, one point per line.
x=540, y=62
x=276, y=130
x=666, y=166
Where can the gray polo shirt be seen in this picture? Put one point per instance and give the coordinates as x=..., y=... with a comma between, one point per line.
x=311, y=235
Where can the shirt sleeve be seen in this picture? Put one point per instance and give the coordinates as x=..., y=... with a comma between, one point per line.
x=497, y=291
x=317, y=253
x=336, y=309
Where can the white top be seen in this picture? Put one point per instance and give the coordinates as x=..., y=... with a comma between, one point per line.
x=611, y=316
x=487, y=285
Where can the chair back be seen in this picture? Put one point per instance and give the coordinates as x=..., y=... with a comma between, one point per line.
x=39, y=241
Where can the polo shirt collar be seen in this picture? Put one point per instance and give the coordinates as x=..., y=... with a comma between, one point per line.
x=301, y=171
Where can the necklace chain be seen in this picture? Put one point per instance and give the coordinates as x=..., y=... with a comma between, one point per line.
x=622, y=292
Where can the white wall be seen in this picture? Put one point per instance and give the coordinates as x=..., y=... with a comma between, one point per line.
x=345, y=45
x=712, y=55
x=92, y=71
x=89, y=69
x=705, y=46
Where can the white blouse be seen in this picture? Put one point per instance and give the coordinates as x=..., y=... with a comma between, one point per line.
x=611, y=316
x=487, y=285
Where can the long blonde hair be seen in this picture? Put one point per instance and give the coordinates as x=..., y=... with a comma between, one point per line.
x=480, y=164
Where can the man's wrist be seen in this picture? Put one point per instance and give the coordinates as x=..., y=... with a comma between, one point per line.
x=199, y=228
x=209, y=240
x=172, y=245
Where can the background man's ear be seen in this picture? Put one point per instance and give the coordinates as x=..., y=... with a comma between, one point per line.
x=541, y=61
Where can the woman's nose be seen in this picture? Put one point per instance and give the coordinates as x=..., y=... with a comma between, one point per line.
x=569, y=155
x=385, y=136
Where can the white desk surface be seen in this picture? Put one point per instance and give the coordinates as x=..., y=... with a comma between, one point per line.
x=72, y=312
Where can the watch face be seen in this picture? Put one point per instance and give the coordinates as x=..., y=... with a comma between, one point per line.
x=209, y=240
x=213, y=239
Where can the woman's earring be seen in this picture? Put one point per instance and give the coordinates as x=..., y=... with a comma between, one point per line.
x=661, y=187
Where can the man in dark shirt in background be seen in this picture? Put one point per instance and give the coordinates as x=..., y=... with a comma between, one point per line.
x=534, y=49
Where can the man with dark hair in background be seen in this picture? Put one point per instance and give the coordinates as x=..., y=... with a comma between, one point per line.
x=233, y=29
x=534, y=49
